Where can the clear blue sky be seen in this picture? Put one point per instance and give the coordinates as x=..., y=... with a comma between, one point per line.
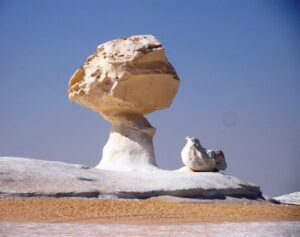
x=238, y=61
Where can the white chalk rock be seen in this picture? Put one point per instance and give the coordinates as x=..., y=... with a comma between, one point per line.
x=219, y=158
x=20, y=177
x=123, y=81
x=292, y=198
x=129, y=146
x=195, y=157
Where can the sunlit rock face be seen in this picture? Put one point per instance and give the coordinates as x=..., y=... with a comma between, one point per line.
x=197, y=158
x=130, y=75
x=124, y=80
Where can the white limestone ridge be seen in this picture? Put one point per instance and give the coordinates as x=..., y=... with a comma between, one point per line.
x=291, y=198
x=21, y=177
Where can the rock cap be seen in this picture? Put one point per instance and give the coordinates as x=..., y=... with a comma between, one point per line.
x=124, y=76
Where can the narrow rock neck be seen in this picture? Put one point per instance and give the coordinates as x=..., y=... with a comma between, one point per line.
x=130, y=145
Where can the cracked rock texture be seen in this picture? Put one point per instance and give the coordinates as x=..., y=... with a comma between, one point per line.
x=21, y=177
x=124, y=80
x=128, y=75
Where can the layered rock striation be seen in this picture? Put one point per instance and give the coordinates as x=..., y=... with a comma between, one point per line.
x=124, y=80
x=21, y=177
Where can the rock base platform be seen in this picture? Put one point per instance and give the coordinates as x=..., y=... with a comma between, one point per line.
x=22, y=177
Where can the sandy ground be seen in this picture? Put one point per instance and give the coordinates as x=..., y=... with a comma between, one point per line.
x=231, y=229
x=140, y=212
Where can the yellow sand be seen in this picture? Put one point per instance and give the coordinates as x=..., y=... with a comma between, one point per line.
x=146, y=212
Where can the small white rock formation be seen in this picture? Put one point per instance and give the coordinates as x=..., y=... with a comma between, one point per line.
x=219, y=158
x=124, y=80
x=197, y=158
x=292, y=198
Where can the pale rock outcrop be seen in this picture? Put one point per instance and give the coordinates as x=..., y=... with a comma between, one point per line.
x=219, y=158
x=124, y=80
x=291, y=198
x=21, y=177
x=197, y=158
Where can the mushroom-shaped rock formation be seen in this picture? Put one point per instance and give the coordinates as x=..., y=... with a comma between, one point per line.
x=197, y=158
x=124, y=80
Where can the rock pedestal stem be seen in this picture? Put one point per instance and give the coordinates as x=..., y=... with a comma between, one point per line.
x=130, y=145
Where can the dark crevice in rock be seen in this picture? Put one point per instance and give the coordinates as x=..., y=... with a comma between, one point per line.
x=86, y=179
x=193, y=193
x=92, y=194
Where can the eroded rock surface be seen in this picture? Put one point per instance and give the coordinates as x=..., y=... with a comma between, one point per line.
x=197, y=158
x=129, y=75
x=124, y=80
x=219, y=157
x=20, y=177
x=291, y=198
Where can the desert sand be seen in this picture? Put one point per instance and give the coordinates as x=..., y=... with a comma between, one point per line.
x=141, y=212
